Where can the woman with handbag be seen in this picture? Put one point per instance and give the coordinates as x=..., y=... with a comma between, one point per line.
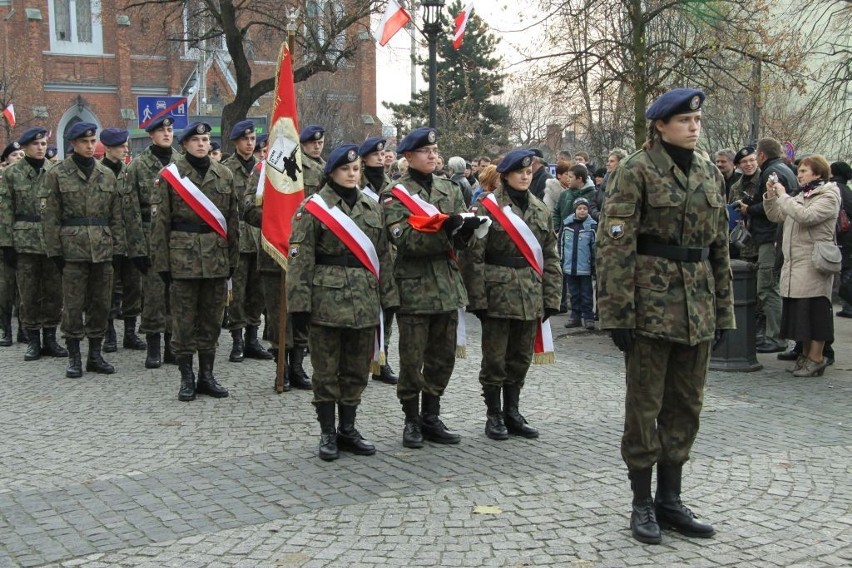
x=811, y=259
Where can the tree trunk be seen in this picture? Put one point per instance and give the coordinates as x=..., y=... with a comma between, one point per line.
x=640, y=81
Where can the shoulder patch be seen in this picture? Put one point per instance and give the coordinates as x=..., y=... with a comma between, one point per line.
x=387, y=200
x=153, y=210
x=294, y=251
x=396, y=231
x=42, y=204
x=298, y=215
x=616, y=230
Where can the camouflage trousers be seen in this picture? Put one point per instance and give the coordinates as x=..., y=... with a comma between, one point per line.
x=665, y=393
x=86, y=287
x=246, y=294
x=199, y=304
x=341, y=361
x=156, y=312
x=7, y=291
x=128, y=278
x=507, y=351
x=39, y=287
x=427, y=353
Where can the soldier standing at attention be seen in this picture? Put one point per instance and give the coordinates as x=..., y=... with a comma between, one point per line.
x=11, y=154
x=664, y=291
x=22, y=241
x=430, y=286
x=339, y=278
x=83, y=234
x=312, y=138
x=195, y=245
x=141, y=175
x=508, y=294
x=247, y=295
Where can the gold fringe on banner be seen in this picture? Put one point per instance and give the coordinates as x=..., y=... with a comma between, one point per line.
x=461, y=352
x=274, y=253
x=544, y=358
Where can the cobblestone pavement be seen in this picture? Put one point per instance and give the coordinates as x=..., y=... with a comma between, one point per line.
x=114, y=471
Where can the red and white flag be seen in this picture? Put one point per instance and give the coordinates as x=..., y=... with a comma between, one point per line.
x=9, y=113
x=461, y=23
x=394, y=20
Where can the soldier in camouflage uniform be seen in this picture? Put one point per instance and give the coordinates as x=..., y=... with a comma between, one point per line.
x=312, y=139
x=83, y=233
x=430, y=288
x=194, y=259
x=11, y=154
x=141, y=175
x=508, y=296
x=22, y=241
x=125, y=272
x=247, y=295
x=664, y=290
x=331, y=288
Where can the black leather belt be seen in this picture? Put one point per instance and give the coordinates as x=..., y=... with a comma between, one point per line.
x=672, y=252
x=509, y=261
x=85, y=222
x=191, y=228
x=28, y=218
x=339, y=260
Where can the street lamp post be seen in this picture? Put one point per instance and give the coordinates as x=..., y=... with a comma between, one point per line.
x=431, y=28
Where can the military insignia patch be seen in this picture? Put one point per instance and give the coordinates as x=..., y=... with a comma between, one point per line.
x=352, y=155
x=616, y=230
x=248, y=131
x=526, y=162
x=380, y=146
x=298, y=215
x=387, y=200
x=167, y=122
x=431, y=137
x=16, y=146
x=294, y=251
x=39, y=136
x=695, y=102
x=87, y=133
x=42, y=204
x=396, y=231
x=153, y=210
x=248, y=199
x=317, y=135
x=201, y=129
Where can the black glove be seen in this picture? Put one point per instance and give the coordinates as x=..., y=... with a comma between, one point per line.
x=469, y=225
x=10, y=257
x=142, y=263
x=480, y=314
x=301, y=320
x=166, y=277
x=718, y=337
x=59, y=262
x=549, y=312
x=623, y=339
x=452, y=224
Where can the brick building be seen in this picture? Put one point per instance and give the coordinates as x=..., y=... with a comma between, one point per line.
x=66, y=61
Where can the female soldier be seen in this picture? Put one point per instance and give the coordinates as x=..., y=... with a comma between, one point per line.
x=339, y=279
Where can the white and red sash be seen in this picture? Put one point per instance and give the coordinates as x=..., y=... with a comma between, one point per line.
x=368, y=191
x=196, y=199
x=530, y=248
x=360, y=245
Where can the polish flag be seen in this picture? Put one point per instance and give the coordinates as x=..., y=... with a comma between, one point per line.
x=394, y=20
x=461, y=23
x=9, y=113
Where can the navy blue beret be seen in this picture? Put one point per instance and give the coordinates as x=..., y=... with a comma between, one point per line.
x=747, y=151
x=215, y=146
x=372, y=144
x=311, y=132
x=32, y=134
x=194, y=129
x=341, y=156
x=11, y=147
x=51, y=152
x=114, y=136
x=261, y=142
x=676, y=101
x=159, y=123
x=515, y=160
x=537, y=152
x=418, y=138
x=240, y=129
x=82, y=130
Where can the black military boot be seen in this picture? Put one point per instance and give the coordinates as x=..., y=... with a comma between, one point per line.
x=286, y=386
x=153, y=359
x=412, y=435
x=131, y=340
x=207, y=383
x=187, y=379
x=75, y=363
x=253, y=348
x=49, y=346
x=671, y=512
x=433, y=428
x=328, y=439
x=238, y=347
x=299, y=379
x=643, y=519
x=168, y=354
x=226, y=319
x=34, y=346
x=348, y=438
x=386, y=375
x=95, y=361
x=6, y=332
x=110, y=338
x=495, y=428
x=515, y=423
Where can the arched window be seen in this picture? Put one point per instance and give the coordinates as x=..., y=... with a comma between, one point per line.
x=72, y=116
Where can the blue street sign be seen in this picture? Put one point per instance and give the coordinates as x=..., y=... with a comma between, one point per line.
x=149, y=109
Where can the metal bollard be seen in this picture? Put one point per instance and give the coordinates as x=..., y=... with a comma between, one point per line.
x=736, y=353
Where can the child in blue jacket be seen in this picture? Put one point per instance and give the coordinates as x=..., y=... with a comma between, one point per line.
x=578, y=263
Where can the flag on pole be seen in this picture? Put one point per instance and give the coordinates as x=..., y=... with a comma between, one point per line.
x=282, y=186
x=9, y=113
x=461, y=23
x=394, y=20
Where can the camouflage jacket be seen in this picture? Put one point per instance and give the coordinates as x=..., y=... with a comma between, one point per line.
x=142, y=173
x=245, y=196
x=426, y=266
x=513, y=293
x=649, y=198
x=20, y=217
x=312, y=174
x=744, y=186
x=134, y=232
x=189, y=254
x=81, y=217
x=253, y=215
x=338, y=296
